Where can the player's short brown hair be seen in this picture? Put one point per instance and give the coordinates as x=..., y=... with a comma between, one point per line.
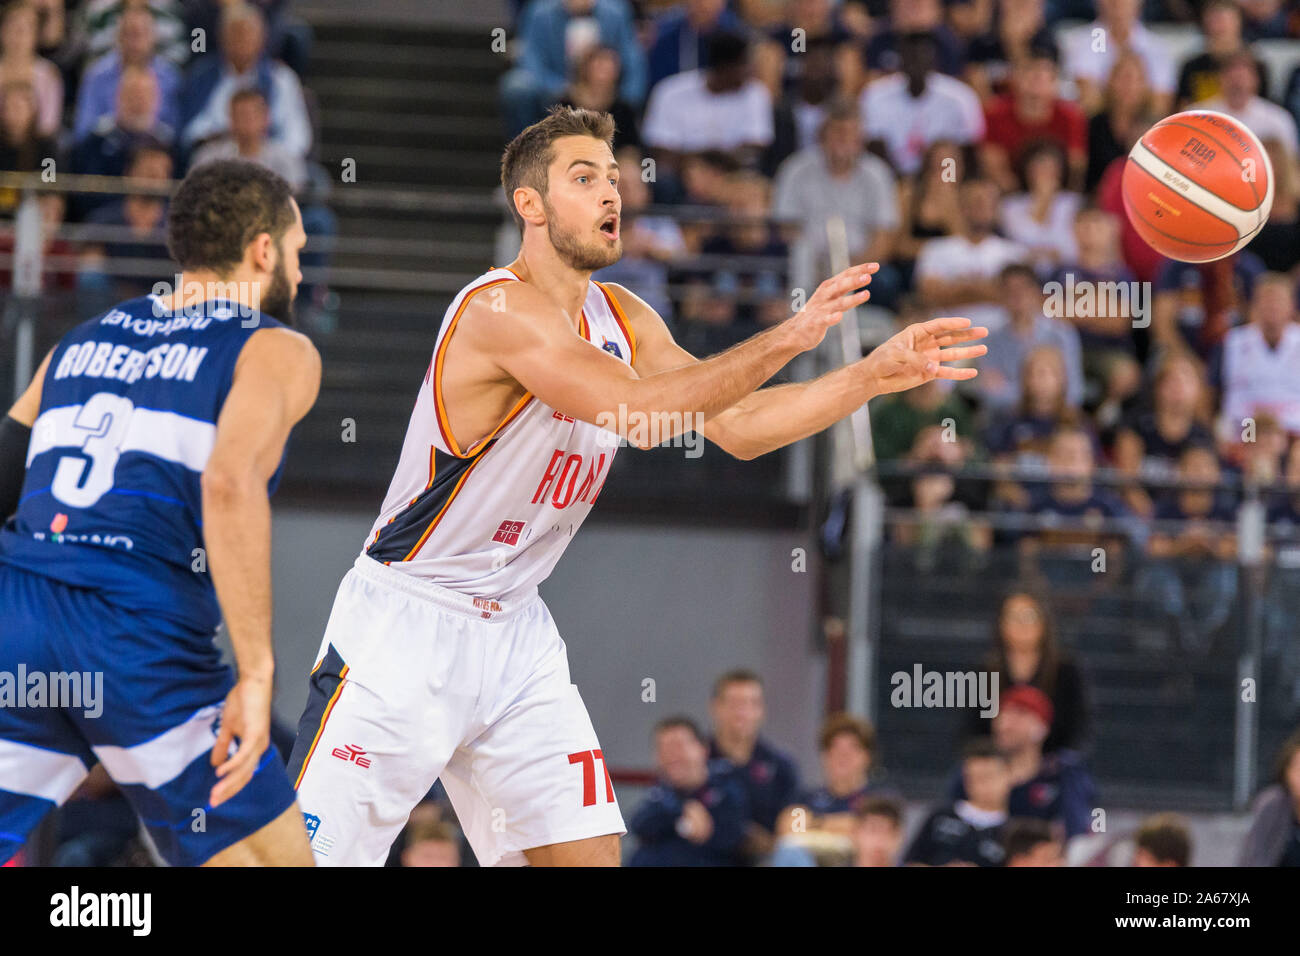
x=529, y=154
x=220, y=208
x=843, y=723
x=1166, y=838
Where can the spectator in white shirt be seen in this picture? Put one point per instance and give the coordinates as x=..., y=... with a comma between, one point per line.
x=250, y=124
x=722, y=107
x=1092, y=52
x=907, y=111
x=836, y=177
x=243, y=63
x=960, y=275
x=1042, y=217
x=1239, y=98
x=1259, y=360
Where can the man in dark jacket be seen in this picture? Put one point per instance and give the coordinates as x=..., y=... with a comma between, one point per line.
x=696, y=814
x=769, y=776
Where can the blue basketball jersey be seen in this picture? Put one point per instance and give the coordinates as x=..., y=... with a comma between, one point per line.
x=128, y=414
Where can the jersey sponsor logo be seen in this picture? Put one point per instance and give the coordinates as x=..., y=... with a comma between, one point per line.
x=509, y=532
x=104, y=540
x=560, y=484
x=92, y=359
x=150, y=327
x=351, y=754
x=611, y=347
x=313, y=824
x=59, y=522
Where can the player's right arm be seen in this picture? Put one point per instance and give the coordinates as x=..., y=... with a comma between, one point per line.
x=275, y=384
x=532, y=341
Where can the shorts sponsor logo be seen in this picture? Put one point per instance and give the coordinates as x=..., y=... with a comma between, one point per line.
x=352, y=754
x=487, y=606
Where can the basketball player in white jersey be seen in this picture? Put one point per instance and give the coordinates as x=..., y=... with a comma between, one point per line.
x=440, y=660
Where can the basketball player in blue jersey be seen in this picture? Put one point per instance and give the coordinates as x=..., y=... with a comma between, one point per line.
x=440, y=660
x=135, y=473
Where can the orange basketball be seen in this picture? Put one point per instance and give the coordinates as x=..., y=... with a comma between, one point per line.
x=1198, y=186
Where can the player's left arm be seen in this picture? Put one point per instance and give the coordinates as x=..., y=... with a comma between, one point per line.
x=772, y=418
x=15, y=435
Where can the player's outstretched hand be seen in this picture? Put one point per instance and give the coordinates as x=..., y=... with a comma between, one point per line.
x=919, y=353
x=246, y=717
x=828, y=304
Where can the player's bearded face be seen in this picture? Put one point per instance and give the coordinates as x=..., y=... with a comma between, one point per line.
x=582, y=247
x=277, y=299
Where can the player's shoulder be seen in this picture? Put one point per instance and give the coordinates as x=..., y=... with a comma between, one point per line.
x=642, y=316
x=290, y=353
x=500, y=307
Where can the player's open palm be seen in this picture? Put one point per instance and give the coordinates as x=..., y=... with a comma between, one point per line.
x=828, y=304
x=922, y=351
x=247, y=719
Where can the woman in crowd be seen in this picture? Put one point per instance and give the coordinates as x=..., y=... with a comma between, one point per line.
x=1149, y=443
x=20, y=64
x=1026, y=651
x=1274, y=835
x=1042, y=217
x=1125, y=115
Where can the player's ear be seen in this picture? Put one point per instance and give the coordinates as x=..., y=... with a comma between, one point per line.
x=262, y=251
x=529, y=203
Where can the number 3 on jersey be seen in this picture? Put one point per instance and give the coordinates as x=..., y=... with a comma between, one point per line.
x=98, y=430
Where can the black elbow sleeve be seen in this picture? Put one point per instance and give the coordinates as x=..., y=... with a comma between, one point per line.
x=14, y=437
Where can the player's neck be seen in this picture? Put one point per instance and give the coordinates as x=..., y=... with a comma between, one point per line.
x=540, y=266
x=202, y=285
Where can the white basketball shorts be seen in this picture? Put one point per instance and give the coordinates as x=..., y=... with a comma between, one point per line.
x=413, y=683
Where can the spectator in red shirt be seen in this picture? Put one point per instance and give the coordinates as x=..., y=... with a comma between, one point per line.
x=1030, y=112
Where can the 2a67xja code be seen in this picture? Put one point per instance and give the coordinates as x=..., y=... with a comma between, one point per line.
x=1200, y=898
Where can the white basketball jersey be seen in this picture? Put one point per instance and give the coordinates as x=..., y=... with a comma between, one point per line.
x=492, y=520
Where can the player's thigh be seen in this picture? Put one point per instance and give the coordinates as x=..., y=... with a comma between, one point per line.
x=593, y=851
x=536, y=777
x=282, y=842
x=388, y=703
x=43, y=757
x=154, y=728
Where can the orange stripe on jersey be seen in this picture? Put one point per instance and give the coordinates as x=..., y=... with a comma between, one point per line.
x=621, y=318
x=444, y=423
x=438, y=517
x=329, y=708
x=482, y=443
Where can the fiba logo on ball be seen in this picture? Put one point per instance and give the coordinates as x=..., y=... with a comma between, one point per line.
x=1198, y=186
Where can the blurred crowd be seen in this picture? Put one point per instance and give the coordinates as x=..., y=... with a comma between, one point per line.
x=148, y=89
